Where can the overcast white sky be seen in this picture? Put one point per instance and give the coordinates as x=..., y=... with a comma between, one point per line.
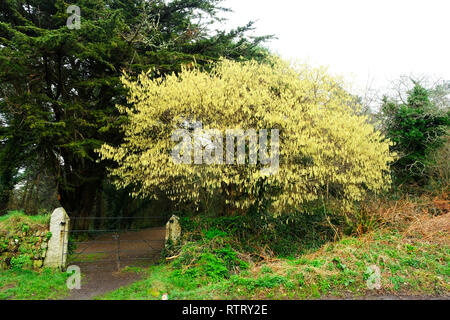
x=364, y=40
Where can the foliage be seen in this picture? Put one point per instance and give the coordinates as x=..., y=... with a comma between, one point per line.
x=417, y=127
x=20, y=262
x=409, y=243
x=439, y=166
x=18, y=220
x=261, y=233
x=209, y=260
x=58, y=86
x=71, y=245
x=326, y=150
x=36, y=188
x=23, y=240
x=340, y=269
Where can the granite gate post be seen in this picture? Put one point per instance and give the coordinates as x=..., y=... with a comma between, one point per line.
x=57, y=245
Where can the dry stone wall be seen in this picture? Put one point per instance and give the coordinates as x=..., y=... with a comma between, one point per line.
x=24, y=249
x=34, y=246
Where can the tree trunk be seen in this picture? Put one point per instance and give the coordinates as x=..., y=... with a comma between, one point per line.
x=99, y=223
x=79, y=200
x=7, y=182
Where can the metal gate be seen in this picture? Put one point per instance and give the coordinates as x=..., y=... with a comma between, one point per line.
x=114, y=242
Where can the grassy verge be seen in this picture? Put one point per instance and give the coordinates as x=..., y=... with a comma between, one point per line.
x=14, y=220
x=394, y=247
x=20, y=282
x=340, y=269
x=32, y=285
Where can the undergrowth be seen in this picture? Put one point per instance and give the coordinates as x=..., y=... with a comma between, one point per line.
x=339, y=269
x=233, y=258
x=16, y=220
x=262, y=234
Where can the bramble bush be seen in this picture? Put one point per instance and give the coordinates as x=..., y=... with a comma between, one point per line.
x=291, y=234
x=209, y=260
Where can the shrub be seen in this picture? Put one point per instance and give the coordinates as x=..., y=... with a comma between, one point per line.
x=208, y=260
x=417, y=128
x=292, y=233
x=326, y=150
x=20, y=262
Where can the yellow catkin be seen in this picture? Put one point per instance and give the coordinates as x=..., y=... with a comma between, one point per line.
x=326, y=149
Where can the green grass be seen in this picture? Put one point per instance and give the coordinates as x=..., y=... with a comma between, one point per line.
x=14, y=220
x=336, y=269
x=87, y=257
x=32, y=285
x=158, y=281
x=212, y=266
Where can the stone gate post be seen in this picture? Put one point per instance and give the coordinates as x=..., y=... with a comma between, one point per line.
x=57, y=245
x=173, y=230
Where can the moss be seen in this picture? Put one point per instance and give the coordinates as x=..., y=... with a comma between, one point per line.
x=22, y=239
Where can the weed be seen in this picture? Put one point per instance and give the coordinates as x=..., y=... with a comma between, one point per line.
x=266, y=269
x=20, y=262
x=397, y=281
x=213, y=233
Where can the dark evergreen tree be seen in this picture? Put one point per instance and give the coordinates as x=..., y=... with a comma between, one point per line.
x=59, y=86
x=417, y=128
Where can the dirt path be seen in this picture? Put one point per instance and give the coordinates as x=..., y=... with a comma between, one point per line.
x=96, y=284
x=98, y=261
